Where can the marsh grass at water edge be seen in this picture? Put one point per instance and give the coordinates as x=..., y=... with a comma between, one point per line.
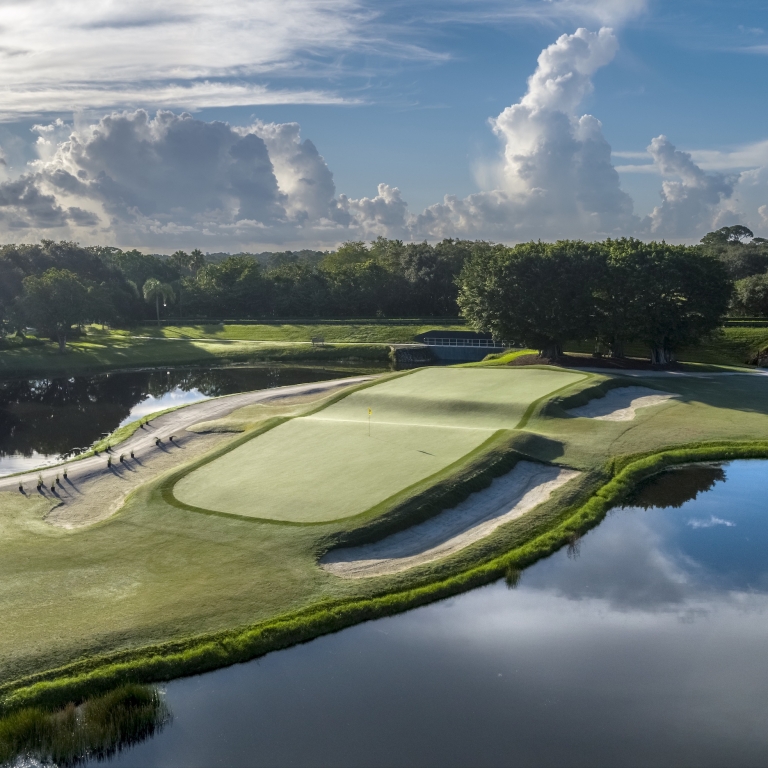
x=96, y=729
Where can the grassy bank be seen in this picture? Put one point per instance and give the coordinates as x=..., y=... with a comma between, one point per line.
x=165, y=662
x=333, y=331
x=100, y=727
x=113, y=350
x=732, y=346
x=365, y=341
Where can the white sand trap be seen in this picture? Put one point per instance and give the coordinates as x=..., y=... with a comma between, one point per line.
x=620, y=404
x=507, y=498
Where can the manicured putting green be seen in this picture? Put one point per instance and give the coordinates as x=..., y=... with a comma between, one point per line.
x=326, y=467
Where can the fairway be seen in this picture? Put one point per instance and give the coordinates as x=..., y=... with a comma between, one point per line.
x=326, y=466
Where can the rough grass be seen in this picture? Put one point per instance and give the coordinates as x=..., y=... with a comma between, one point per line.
x=157, y=591
x=368, y=332
x=114, y=350
x=252, y=416
x=729, y=346
x=328, y=466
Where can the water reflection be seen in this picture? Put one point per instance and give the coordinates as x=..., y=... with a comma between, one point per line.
x=98, y=728
x=42, y=420
x=674, y=487
x=647, y=649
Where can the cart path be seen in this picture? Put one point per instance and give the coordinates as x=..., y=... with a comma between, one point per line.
x=93, y=491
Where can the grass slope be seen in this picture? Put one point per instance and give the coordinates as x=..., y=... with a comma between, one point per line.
x=113, y=350
x=157, y=591
x=326, y=466
x=383, y=332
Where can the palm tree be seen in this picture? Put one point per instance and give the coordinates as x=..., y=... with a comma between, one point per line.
x=154, y=289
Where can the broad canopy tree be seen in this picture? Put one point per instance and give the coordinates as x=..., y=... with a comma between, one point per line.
x=616, y=292
x=54, y=303
x=538, y=294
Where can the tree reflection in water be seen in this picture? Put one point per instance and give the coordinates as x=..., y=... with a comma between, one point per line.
x=57, y=416
x=674, y=487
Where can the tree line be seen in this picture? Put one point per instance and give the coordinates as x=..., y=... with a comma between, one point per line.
x=56, y=287
x=540, y=294
x=544, y=295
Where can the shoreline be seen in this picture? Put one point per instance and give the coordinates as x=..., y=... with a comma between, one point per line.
x=202, y=653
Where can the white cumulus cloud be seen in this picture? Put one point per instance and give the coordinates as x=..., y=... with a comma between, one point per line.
x=690, y=202
x=171, y=180
x=555, y=178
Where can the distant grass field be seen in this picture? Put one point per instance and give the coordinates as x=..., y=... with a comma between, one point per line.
x=326, y=466
x=370, y=332
x=113, y=350
x=216, y=344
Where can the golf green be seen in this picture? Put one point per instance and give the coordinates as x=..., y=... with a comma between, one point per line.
x=328, y=466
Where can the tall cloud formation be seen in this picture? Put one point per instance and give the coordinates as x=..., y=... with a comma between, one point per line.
x=171, y=180
x=689, y=201
x=556, y=175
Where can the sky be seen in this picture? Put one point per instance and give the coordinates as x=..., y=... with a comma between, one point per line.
x=257, y=125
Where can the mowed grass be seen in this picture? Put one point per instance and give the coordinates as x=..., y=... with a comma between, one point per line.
x=383, y=332
x=155, y=573
x=327, y=466
x=114, y=350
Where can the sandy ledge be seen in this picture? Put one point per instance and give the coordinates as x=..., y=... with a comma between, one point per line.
x=621, y=404
x=507, y=498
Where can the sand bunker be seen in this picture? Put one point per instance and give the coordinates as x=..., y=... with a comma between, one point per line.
x=620, y=404
x=507, y=498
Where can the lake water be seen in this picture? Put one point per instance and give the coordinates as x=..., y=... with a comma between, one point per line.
x=45, y=420
x=643, y=645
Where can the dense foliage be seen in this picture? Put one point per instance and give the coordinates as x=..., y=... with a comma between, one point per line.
x=541, y=294
x=384, y=279
x=546, y=294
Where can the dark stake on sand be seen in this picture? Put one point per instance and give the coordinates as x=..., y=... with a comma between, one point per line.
x=122, y=458
x=109, y=461
x=21, y=488
x=132, y=456
x=171, y=438
x=158, y=441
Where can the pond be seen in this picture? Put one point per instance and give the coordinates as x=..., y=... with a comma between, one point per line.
x=45, y=420
x=643, y=644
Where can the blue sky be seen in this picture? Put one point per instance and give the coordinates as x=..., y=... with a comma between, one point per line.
x=396, y=94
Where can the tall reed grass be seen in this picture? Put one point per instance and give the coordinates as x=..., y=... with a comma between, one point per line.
x=96, y=729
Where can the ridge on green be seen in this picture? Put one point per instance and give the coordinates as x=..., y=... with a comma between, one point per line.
x=333, y=464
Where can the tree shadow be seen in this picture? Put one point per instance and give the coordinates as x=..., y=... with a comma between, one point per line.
x=744, y=392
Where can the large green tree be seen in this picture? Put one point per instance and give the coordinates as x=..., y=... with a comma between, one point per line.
x=539, y=294
x=54, y=302
x=682, y=295
x=750, y=296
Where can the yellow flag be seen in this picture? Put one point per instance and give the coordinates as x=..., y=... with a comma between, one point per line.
x=370, y=411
